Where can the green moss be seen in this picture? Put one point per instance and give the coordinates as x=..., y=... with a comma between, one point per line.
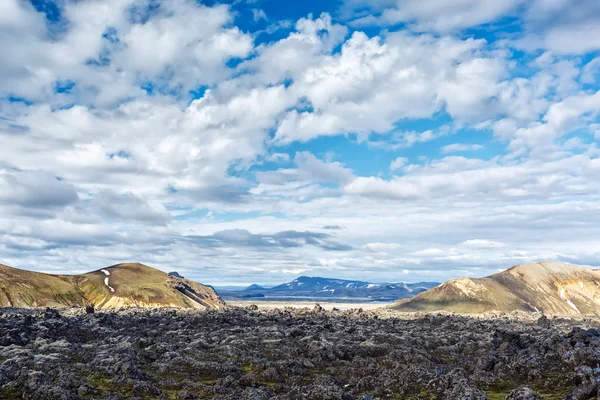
x=105, y=383
x=493, y=395
x=247, y=368
x=500, y=389
x=11, y=393
x=425, y=395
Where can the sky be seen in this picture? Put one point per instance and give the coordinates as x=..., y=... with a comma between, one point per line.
x=258, y=140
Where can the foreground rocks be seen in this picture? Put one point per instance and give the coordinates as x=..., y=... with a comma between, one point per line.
x=293, y=354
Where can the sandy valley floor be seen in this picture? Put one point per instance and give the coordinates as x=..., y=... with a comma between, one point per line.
x=270, y=305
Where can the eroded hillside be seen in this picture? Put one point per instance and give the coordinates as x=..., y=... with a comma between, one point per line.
x=121, y=285
x=548, y=287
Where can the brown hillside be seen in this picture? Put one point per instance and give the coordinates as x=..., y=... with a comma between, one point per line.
x=549, y=287
x=122, y=285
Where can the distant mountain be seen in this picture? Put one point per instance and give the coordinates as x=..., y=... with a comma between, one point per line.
x=121, y=285
x=254, y=287
x=549, y=287
x=328, y=289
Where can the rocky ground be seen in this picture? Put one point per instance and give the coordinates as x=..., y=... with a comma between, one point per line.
x=293, y=354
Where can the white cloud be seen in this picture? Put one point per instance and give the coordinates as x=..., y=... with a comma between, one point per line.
x=398, y=163
x=591, y=71
x=259, y=15
x=563, y=27
x=294, y=271
x=357, y=91
x=381, y=247
x=106, y=172
x=460, y=147
x=108, y=56
x=562, y=117
x=437, y=15
x=482, y=244
x=404, y=140
x=462, y=178
x=278, y=157
x=184, y=41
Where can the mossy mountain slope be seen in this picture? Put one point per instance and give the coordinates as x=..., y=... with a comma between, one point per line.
x=548, y=287
x=122, y=285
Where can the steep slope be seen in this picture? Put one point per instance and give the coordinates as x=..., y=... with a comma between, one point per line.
x=121, y=285
x=20, y=288
x=549, y=287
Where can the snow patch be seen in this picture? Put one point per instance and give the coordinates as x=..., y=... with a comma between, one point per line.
x=573, y=306
x=569, y=302
x=580, y=285
x=106, y=279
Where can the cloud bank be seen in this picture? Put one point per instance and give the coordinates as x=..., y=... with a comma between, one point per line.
x=405, y=140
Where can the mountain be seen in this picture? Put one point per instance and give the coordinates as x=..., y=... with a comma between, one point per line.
x=328, y=289
x=549, y=287
x=121, y=285
x=254, y=287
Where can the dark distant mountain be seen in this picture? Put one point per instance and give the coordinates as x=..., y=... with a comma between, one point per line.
x=254, y=287
x=329, y=289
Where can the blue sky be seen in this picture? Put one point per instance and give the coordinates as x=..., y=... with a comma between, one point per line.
x=257, y=140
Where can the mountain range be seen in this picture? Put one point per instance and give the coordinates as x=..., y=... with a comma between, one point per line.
x=548, y=287
x=121, y=285
x=329, y=289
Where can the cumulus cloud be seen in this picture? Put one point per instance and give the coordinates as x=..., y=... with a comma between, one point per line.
x=356, y=90
x=562, y=117
x=111, y=47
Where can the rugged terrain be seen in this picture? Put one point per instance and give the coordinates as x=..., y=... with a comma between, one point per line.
x=121, y=285
x=548, y=287
x=293, y=354
x=330, y=289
